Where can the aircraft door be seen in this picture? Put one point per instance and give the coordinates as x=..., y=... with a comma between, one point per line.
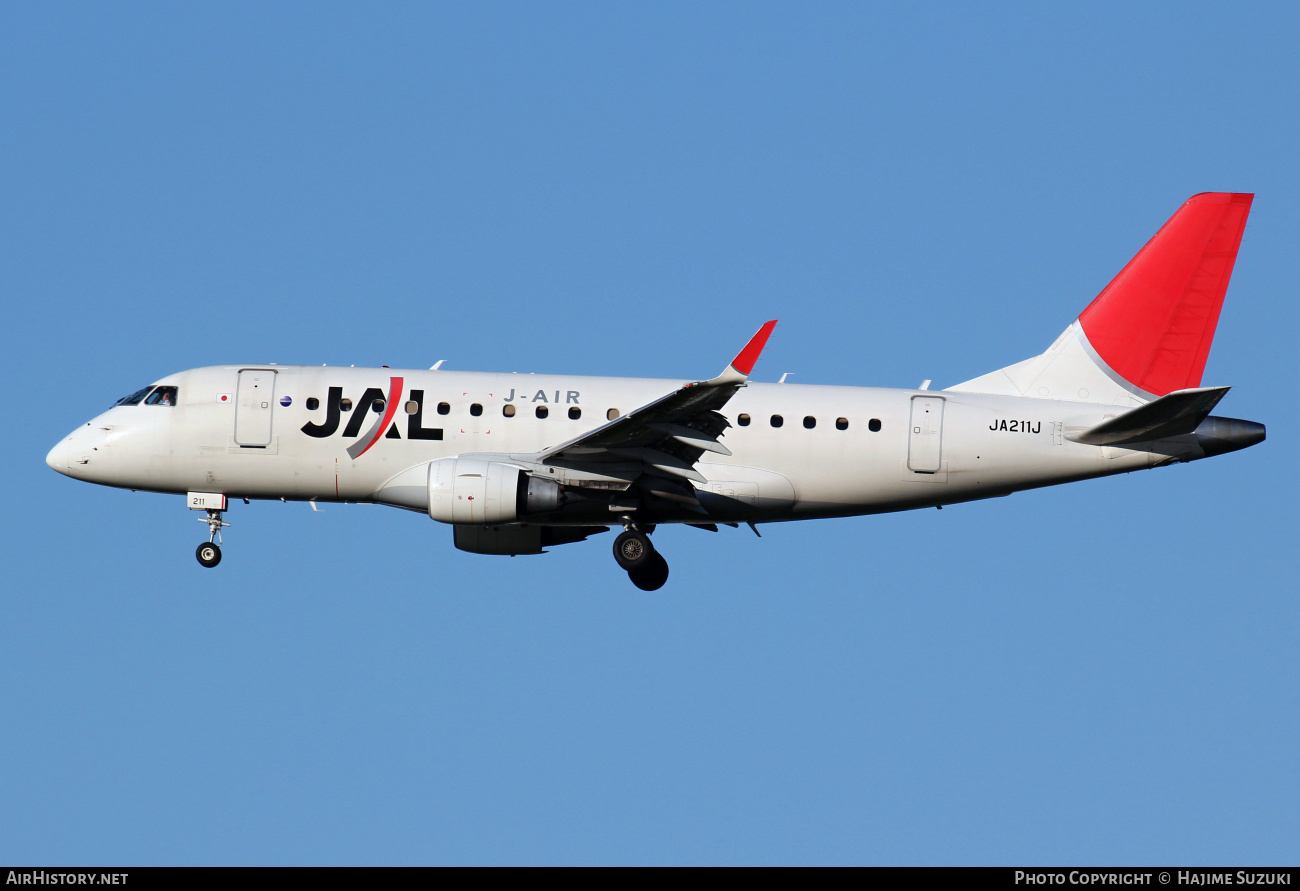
x=253, y=406
x=925, y=436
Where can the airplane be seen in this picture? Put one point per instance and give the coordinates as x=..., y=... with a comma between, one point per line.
x=519, y=463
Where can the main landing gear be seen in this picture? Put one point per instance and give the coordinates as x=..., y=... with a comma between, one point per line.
x=209, y=553
x=645, y=566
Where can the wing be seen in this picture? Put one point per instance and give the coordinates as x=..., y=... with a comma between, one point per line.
x=661, y=441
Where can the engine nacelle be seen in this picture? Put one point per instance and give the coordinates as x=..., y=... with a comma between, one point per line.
x=467, y=490
x=520, y=538
x=511, y=540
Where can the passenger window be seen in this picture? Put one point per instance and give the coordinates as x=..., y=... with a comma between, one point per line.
x=542, y=411
x=162, y=396
x=841, y=423
x=312, y=403
x=344, y=405
x=743, y=420
x=508, y=411
x=412, y=407
x=377, y=406
x=874, y=425
x=777, y=420
x=575, y=413
x=476, y=409
x=809, y=422
x=611, y=415
x=444, y=408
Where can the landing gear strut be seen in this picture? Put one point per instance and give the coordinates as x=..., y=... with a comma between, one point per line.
x=209, y=553
x=645, y=566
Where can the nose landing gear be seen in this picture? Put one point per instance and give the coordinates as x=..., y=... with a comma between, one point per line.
x=645, y=566
x=209, y=553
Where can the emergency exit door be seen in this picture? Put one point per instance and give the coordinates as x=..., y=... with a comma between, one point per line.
x=925, y=435
x=253, y=406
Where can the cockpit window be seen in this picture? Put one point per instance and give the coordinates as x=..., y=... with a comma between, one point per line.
x=134, y=398
x=162, y=396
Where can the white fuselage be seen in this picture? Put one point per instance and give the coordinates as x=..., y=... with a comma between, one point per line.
x=930, y=448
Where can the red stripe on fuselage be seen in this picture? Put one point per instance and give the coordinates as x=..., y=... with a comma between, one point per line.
x=394, y=397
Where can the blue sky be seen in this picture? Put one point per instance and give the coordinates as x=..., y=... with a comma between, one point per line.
x=1101, y=673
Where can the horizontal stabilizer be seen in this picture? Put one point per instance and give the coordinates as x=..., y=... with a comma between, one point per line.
x=1176, y=414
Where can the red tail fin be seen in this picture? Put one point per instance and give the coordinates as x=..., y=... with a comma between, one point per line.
x=1153, y=324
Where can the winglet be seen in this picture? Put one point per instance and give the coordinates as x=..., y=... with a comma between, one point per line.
x=743, y=364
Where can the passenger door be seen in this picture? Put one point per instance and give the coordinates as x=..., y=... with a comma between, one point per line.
x=925, y=436
x=254, y=403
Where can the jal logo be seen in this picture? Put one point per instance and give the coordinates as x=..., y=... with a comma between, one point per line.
x=373, y=401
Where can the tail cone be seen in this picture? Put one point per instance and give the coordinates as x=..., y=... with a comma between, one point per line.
x=1219, y=435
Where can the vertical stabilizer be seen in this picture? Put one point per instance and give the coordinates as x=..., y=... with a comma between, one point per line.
x=1149, y=331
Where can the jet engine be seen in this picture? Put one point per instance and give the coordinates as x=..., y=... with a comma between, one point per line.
x=477, y=491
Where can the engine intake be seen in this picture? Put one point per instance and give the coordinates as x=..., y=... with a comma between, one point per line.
x=466, y=490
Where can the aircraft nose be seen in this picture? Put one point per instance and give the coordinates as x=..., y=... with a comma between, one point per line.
x=69, y=454
x=59, y=457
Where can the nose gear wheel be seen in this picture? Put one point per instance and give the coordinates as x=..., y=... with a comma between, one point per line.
x=208, y=554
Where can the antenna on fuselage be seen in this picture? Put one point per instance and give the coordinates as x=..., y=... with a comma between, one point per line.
x=436, y=365
x=784, y=376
